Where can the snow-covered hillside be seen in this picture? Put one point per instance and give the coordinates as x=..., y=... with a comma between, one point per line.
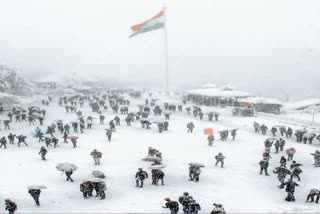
x=12, y=83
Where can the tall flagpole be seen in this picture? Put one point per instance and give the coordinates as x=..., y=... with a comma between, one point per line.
x=166, y=48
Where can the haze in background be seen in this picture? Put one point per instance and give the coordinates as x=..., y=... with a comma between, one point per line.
x=269, y=47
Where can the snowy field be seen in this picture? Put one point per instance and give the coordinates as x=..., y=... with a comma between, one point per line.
x=238, y=186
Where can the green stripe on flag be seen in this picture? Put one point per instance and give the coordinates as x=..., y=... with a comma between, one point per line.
x=147, y=29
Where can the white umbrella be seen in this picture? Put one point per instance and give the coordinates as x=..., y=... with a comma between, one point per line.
x=151, y=159
x=94, y=180
x=36, y=187
x=98, y=174
x=66, y=167
x=161, y=166
x=196, y=164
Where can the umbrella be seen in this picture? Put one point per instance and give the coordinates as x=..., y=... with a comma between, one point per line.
x=213, y=112
x=58, y=121
x=309, y=135
x=47, y=136
x=66, y=167
x=36, y=187
x=290, y=151
x=222, y=131
x=272, y=138
x=144, y=120
x=279, y=126
x=36, y=114
x=157, y=122
x=302, y=130
x=151, y=159
x=72, y=137
x=161, y=166
x=196, y=164
x=94, y=180
x=98, y=174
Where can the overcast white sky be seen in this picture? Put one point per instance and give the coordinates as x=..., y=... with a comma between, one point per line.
x=267, y=46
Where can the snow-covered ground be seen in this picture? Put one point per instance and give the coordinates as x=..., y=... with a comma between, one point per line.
x=239, y=186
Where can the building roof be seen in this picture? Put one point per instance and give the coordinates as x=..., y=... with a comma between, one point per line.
x=262, y=100
x=209, y=85
x=218, y=92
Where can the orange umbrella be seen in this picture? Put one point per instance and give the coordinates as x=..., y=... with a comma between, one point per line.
x=208, y=131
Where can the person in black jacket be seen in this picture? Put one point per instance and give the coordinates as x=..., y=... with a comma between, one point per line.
x=10, y=206
x=22, y=139
x=172, y=205
x=35, y=194
x=140, y=177
x=43, y=153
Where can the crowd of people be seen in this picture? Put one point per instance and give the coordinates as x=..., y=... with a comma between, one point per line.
x=50, y=134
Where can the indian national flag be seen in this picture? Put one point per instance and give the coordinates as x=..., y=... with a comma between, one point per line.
x=154, y=23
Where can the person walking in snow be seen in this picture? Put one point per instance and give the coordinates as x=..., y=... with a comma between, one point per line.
x=109, y=134
x=290, y=189
x=6, y=124
x=11, y=138
x=194, y=173
x=210, y=139
x=43, y=153
x=282, y=173
x=68, y=174
x=277, y=146
x=316, y=157
x=3, y=142
x=140, y=177
x=117, y=119
x=10, y=206
x=296, y=171
x=220, y=159
x=218, y=209
x=233, y=134
x=74, y=142
x=35, y=194
x=184, y=200
x=173, y=206
x=22, y=139
x=193, y=207
x=190, y=127
x=264, y=164
x=101, y=118
x=313, y=193
x=263, y=129
x=282, y=144
x=289, y=132
x=274, y=131
x=96, y=156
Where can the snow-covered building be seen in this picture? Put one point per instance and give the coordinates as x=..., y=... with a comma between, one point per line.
x=225, y=96
x=263, y=104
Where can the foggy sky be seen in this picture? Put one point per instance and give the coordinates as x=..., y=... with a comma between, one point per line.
x=270, y=47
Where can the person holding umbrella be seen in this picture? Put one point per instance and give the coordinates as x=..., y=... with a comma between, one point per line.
x=35, y=191
x=73, y=140
x=68, y=169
